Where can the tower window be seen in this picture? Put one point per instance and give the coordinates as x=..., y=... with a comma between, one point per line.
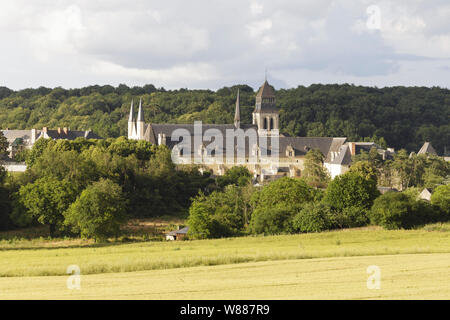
x=265, y=123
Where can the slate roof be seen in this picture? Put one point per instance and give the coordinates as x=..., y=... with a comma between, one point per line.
x=72, y=134
x=265, y=99
x=427, y=148
x=344, y=156
x=181, y=231
x=384, y=190
x=12, y=135
x=425, y=194
x=300, y=145
x=265, y=91
x=366, y=146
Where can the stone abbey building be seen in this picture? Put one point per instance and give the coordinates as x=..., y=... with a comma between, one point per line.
x=259, y=146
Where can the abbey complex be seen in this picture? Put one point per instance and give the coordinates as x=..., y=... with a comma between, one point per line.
x=259, y=146
x=258, y=142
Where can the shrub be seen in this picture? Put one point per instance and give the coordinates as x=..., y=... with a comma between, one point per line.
x=422, y=213
x=221, y=214
x=391, y=210
x=272, y=220
x=351, y=217
x=313, y=217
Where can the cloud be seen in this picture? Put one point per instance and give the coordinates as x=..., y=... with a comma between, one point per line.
x=197, y=72
x=213, y=43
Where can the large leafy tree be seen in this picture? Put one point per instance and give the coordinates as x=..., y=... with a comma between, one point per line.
x=351, y=189
x=419, y=170
x=3, y=145
x=4, y=201
x=365, y=169
x=314, y=172
x=99, y=211
x=441, y=199
x=46, y=200
x=284, y=191
x=237, y=175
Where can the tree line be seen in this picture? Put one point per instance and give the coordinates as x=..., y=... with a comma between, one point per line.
x=400, y=117
x=293, y=205
x=91, y=187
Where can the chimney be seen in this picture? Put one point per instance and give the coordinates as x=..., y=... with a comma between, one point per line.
x=161, y=138
x=33, y=136
x=59, y=130
x=44, y=130
x=65, y=130
x=352, y=148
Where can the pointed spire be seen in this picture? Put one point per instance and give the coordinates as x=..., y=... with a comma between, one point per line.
x=140, y=112
x=237, y=114
x=131, y=118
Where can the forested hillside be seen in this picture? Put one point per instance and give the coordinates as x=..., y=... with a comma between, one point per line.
x=404, y=116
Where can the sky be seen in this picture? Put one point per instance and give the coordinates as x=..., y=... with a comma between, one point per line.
x=209, y=44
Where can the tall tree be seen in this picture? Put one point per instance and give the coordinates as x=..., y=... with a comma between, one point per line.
x=3, y=145
x=46, y=200
x=99, y=211
x=314, y=172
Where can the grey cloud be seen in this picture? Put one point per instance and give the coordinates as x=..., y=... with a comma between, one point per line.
x=231, y=40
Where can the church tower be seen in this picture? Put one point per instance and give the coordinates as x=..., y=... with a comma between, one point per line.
x=265, y=115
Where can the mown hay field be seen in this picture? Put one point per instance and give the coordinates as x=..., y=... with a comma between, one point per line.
x=329, y=265
x=410, y=276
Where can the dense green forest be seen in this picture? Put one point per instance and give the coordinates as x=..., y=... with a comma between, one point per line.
x=404, y=116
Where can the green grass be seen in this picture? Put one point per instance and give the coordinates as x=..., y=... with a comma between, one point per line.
x=53, y=258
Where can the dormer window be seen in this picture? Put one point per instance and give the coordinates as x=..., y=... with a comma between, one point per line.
x=290, y=151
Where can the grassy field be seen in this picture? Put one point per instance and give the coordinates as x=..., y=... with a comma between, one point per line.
x=329, y=265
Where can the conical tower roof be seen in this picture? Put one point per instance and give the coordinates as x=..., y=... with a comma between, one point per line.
x=237, y=113
x=140, y=112
x=131, y=118
x=265, y=91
